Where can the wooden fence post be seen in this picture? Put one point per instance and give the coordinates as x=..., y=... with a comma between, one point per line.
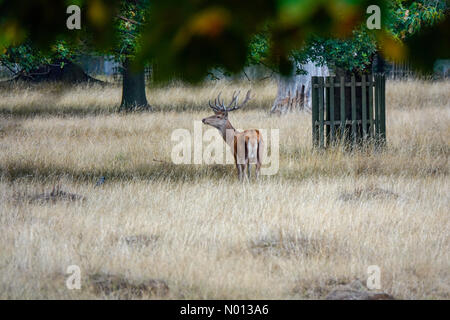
x=333, y=136
x=364, y=107
x=315, y=111
x=327, y=111
x=377, y=108
x=353, y=101
x=342, y=107
x=382, y=109
x=321, y=115
x=371, y=123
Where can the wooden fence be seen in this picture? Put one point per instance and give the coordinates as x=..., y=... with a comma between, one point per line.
x=348, y=110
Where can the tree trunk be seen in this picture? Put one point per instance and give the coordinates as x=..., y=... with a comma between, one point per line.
x=294, y=93
x=133, y=90
x=378, y=63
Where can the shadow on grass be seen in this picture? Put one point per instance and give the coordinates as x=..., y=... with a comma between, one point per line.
x=162, y=171
x=49, y=102
x=75, y=111
x=50, y=109
x=193, y=173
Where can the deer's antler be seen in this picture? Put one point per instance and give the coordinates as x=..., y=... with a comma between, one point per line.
x=219, y=106
x=235, y=100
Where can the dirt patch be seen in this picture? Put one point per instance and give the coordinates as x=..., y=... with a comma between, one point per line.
x=316, y=289
x=140, y=240
x=7, y=127
x=368, y=193
x=338, y=289
x=53, y=196
x=119, y=287
x=290, y=245
x=356, y=291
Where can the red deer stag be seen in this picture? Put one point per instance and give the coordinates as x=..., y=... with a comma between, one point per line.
x=247, y=146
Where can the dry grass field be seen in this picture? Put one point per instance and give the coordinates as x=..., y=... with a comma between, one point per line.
x=159, y=230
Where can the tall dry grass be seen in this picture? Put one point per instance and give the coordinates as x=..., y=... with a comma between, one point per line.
x=321, y=221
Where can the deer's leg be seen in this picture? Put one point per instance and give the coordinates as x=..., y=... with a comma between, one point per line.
x=244, y=171
x=239, y=171
x=249, y=170
x=257, y=168
x=259, y=158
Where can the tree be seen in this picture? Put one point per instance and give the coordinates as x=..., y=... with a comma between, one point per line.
x=418, y=25
x=133, y=88
x=352, y=55
x=402, y=21
x=342, y=56
x=55, y=60
x=26, y=63
x=191, y=37
x=129, y=25
x=34, y=33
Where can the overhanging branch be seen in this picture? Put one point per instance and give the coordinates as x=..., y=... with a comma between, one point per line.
x=129, y=20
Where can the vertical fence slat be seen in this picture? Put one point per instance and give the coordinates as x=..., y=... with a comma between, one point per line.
x=321, y=118
x=315, y=112
x=382, y=108
x=342, y=107
x=377, y=107
x=364, y=106
x=333, y=136
x=353, y=100
x=327, y=110
x=371, y=133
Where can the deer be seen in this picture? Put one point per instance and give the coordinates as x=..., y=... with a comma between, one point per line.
x=247, y=146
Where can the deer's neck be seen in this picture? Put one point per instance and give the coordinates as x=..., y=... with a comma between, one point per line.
x=228, y=130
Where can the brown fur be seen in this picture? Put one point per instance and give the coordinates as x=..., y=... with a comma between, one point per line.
x=239, y=144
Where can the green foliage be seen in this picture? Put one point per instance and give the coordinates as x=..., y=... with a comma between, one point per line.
x=128, y=24
x=409, y=17
x=403, y=19
x=191, y=37
x=25, y=56
x=423, y=28
x=43, y=22
x=258, y=52
x=125, y=41
x=353, y=54
x=28, y=57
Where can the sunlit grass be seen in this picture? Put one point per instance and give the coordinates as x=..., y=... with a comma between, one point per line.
x=323, y=219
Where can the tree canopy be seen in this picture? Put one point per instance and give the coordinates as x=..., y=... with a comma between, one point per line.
x=190, y=37
x=403, y=23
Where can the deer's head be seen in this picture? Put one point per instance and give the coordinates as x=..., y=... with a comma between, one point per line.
x=220, y=117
